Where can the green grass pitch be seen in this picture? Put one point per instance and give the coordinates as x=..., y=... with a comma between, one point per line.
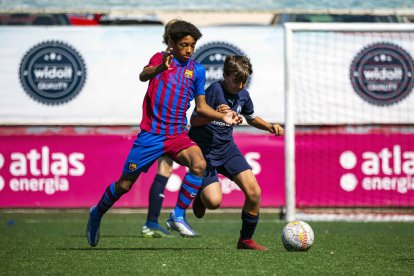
x=54, y=243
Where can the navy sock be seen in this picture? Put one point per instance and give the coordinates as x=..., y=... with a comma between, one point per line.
x=249, y=223
x=108, y=199
x=156, y=197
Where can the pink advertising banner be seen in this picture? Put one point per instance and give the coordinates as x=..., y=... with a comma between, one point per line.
x=71, y=170
x=373, y=169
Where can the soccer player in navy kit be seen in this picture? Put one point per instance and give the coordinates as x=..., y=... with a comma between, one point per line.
x=174, y=80
x=222, y=155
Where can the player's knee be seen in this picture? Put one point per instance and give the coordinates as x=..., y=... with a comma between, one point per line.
x=169, y=172
x=124, y=183
x=123, y=186
x=254, y=193
x=212, y=203
x=198, y=167
x=166, y=172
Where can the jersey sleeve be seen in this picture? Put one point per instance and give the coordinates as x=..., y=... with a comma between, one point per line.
x=248, y=108
x=211, y=95
x=155, y=60
x=212, y=100
x=199, y=80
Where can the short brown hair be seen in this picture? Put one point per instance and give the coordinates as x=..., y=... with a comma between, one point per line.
x=239, y=66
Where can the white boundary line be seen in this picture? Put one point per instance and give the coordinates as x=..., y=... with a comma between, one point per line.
x=356, y=217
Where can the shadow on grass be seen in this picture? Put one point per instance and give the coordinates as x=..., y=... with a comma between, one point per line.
x=406, y=260
x=134, y=249
x=136, y=236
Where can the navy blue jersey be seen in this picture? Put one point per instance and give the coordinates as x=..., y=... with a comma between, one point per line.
x=216, y=137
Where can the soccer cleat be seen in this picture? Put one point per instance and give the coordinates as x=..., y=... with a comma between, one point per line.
x=154, y=232
x=92, y=229
x=199, y=209
x=250, y=244
x=180, y=224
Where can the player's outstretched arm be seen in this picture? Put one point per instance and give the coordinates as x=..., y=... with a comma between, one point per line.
x=204, y=110
x=151, y=71
x=259, y=123
x=197, y=120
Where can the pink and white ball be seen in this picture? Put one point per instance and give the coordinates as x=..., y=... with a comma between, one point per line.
x=297, y=236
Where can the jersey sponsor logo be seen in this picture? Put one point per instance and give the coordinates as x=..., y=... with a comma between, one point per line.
x=52, y=72
x=188, y=74
x=218, y=123
x=382, y=74
x=212, y=56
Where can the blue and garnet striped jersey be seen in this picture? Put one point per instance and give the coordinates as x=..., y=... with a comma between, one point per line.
x=169, y=95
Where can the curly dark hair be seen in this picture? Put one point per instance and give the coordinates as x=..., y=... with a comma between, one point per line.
x=180, y=29
x=240, y=66
x=167, y=27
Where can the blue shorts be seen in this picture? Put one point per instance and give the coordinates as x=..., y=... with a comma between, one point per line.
x=148, y=147
x=232, y=164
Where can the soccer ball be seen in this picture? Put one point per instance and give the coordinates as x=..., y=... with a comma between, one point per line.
x=297, y=236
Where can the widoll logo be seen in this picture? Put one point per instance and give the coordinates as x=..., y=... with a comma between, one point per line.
x=382, y=73
x=386, y=170
x=52, y=72
x=212, y=56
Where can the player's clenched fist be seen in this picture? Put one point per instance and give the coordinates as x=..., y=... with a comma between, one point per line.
x=277, y=130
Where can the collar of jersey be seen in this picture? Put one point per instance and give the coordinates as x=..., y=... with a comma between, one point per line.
x=180, y=63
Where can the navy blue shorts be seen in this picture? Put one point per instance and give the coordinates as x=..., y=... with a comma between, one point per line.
x=232, y=164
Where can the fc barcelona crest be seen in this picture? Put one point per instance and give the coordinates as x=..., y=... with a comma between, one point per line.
x=132, y=166
x=188, y=74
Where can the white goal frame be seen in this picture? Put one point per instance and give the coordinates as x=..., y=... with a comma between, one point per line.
x=289, y=29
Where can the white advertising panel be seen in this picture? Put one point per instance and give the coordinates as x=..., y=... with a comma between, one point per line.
x=353, y=77
x=89, y=75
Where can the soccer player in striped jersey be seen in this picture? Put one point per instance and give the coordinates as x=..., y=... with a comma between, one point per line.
x=152, y=228
x=222, y=154
x=174, y=80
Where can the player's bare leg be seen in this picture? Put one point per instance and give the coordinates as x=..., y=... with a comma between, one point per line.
x=209, y=198
x=192, y=158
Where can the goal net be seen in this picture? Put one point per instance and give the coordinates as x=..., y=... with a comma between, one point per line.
x=349, y=120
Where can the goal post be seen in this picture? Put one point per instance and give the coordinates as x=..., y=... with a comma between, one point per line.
x=289, y=129
x=348, y=94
